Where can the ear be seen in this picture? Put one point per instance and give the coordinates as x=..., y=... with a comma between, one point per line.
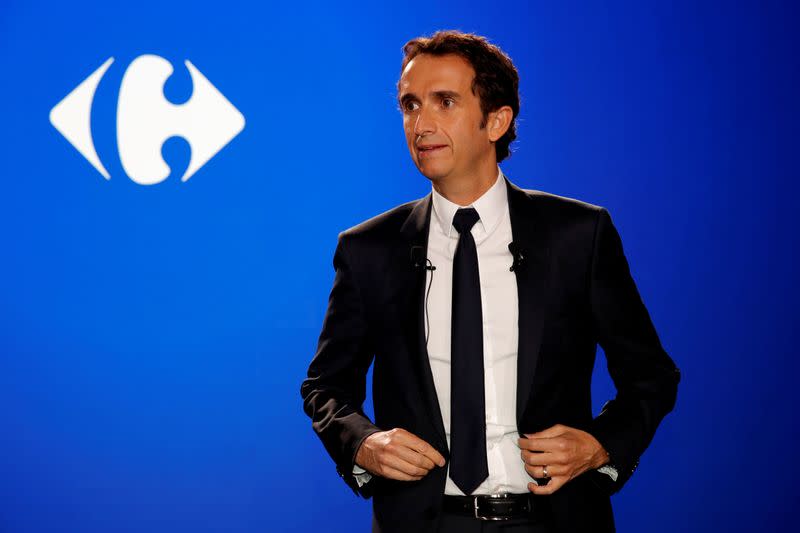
x=498, y=121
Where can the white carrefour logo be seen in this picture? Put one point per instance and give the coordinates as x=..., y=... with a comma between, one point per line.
x=145, y=119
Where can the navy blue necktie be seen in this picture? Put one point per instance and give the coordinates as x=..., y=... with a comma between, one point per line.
x=468, y=464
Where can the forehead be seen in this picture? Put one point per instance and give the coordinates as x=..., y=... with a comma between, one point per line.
x=428, y=72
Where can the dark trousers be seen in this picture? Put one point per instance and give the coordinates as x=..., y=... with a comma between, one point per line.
x=451, y=523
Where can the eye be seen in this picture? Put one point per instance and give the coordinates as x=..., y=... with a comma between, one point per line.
x=448, y=102
x=410, y=106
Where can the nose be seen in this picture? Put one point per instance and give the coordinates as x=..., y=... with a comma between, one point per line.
x=424, y=124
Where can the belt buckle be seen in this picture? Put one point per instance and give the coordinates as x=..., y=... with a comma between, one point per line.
x=477, y=512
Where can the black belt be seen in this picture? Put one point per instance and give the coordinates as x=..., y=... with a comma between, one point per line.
x=498, y=506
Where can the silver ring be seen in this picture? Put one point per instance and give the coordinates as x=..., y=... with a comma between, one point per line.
x=544, y=471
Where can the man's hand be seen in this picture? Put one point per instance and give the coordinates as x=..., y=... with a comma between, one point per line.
x=566, y=453
x=397, y=454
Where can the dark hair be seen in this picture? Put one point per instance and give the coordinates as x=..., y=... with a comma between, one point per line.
x=496, y=80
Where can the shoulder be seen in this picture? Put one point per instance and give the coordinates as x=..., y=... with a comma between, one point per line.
x=569, y=225
x=382, y=226
x=555, y=202
x=557, y=209
x=377, y=240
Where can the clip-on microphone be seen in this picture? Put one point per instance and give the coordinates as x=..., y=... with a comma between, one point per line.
x=418, y=259
x=419, y=262
x=518, y=255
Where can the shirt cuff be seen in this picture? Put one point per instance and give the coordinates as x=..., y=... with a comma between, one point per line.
x=610, y=471
x=363, y=477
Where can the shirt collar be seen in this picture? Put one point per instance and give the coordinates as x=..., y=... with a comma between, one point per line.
x=490, y=207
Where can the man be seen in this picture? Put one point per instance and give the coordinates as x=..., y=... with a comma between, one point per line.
x=482, y=306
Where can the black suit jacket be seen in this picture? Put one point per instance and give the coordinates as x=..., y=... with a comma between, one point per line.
x=575, y=290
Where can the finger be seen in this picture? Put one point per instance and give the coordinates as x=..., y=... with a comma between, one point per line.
x=543, y=458
x=414, y=457
x=419, y=445
x=393, y=473
x=553, y=485
x=552, y=471
x=396, y=462
x=549, y=444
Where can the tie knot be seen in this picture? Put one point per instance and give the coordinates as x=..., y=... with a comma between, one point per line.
x=464, y=219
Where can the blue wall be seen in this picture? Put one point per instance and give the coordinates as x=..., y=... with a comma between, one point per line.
x=153, y=338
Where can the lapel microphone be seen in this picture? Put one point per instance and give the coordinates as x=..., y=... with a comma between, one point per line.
x=418, y=262
x=418, y=259
x=519, y=257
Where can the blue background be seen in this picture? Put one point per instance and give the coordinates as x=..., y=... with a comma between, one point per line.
x=153, y=338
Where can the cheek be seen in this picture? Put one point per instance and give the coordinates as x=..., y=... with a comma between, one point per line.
x=464, y=135
x=473, y=137
x=411, y=148
x=409, y=136
x=408, y=129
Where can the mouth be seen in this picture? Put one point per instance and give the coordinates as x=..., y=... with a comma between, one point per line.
x=428, y=150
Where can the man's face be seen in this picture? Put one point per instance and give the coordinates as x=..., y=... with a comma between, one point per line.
x=442, y=118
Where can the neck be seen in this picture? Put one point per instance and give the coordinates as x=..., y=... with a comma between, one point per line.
x=466, y=190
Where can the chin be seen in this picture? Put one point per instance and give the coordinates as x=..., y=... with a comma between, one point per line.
x=433, y=177
x=431, y=172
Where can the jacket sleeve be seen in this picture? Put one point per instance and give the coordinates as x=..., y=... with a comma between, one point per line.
x=335, y=388
x=644, y=375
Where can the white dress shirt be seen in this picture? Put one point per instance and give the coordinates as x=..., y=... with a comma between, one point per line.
x=498, y=288
x=499, y=310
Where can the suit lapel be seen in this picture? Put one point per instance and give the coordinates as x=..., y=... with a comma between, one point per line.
x=529, y=233
x=415, y=233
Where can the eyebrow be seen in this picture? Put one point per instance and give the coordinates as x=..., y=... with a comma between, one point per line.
x=438, y=94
